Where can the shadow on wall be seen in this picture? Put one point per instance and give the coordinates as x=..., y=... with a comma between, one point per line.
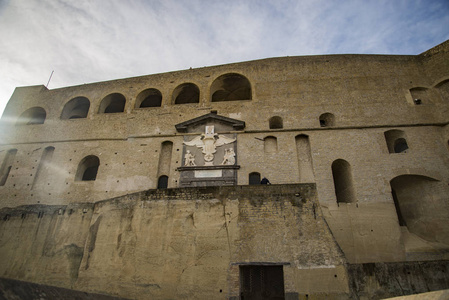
x=420, y=203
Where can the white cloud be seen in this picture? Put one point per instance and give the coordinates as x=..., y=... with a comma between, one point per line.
x=86, y=41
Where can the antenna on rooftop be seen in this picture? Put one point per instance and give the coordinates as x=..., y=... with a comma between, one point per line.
x=49, y=78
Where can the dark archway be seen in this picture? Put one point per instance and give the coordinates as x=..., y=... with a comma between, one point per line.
x=230, y=87
x=327, y=120
x=254, y=178
x=186, y=93
x=396, y=141
x=77, y=108
x=276, y=122
x=343, y=183
x=112, y=103
x=162, y=182
x=87, y=168
x=149, y=98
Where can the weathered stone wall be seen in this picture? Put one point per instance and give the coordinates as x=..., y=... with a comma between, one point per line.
x=20, y=290
x=384, y=280
x=189, y=244
x=367, y=95
x=182, y=243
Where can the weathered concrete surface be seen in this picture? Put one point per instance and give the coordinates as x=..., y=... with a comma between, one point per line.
x=383, y=280
x=176, y=243
x=20, y=290
x=438, y=295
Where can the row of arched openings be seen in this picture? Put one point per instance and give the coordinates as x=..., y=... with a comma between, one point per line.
x=228, y=87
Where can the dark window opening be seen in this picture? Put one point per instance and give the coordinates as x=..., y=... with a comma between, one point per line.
x=396, y=141
x=162, y=183
x=230, y=87
x=419, y=94
x=343, y=184
x=149, y=98
x=76, y=108
x=262, y=282
x=114, y=108
x=327, y=120
x=113, y=103
x=186, y=93
x=254, y=178
x=88, y=169
x=400, y=145
x=276, y=123
x=90, y=173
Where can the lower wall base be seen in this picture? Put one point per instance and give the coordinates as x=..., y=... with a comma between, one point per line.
x=385, y=280
x=14, y=290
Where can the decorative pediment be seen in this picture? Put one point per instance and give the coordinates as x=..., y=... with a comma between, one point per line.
x=209, y=151
x=221, y=123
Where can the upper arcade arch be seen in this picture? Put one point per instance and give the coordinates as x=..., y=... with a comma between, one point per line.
x=32, y=116
x=149, y=98
x=230, y=87
x=112, y=103
x=186, y=93
x=77, y=108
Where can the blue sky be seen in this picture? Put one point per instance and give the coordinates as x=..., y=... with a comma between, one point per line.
x=95, y=40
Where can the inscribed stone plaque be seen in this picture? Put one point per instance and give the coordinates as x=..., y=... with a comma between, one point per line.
x=208, y=173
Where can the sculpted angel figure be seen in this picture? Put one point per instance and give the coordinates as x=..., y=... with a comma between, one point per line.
x=229, y=157
x=189, y=159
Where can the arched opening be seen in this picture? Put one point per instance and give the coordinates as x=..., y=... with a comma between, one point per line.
x=254, y=178
x=420, y=204
x=32, y=116
x=7, y=165
x=327, y=120
x=113, y=103
x=396, y=141
x=88, y=168
x=276, y=122
x=162, y=182
x=149, y=98
x=343, y=184
x=77, y=108
x=270, y=144
x=230, y=87
x=186, y=93
x=419, y=95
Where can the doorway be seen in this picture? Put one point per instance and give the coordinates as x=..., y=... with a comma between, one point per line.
x=261, y=282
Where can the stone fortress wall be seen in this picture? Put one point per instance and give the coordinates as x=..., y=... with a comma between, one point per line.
x=370, y=131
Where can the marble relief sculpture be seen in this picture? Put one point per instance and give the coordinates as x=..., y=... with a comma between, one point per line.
x=189, y=159
x=229, y=157
x=208, y=142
